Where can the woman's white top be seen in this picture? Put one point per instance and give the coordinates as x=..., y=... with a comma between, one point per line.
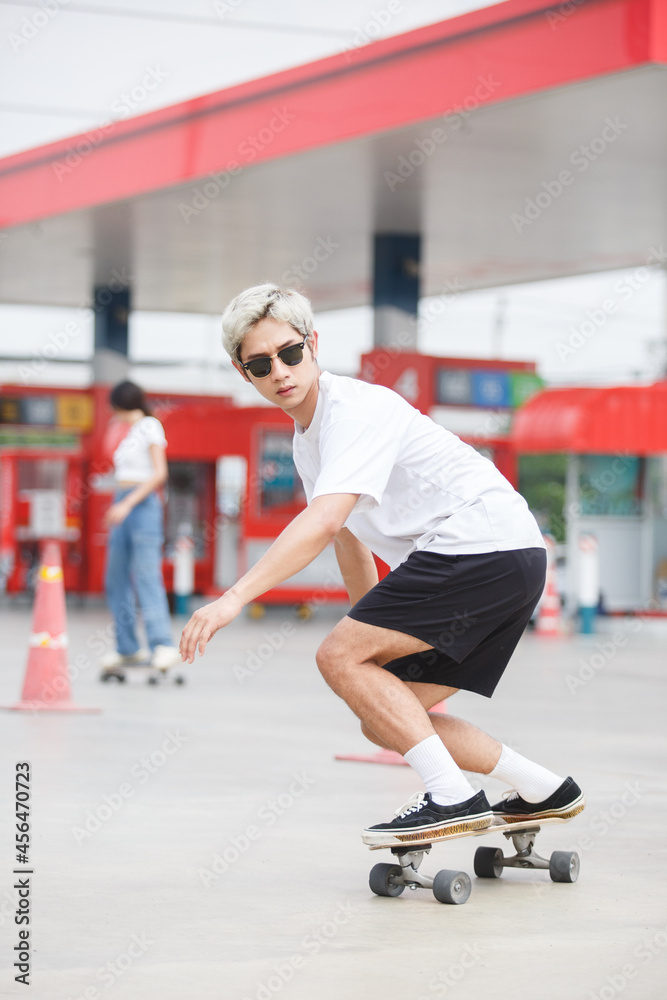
x=132, y=458
x=419, y=485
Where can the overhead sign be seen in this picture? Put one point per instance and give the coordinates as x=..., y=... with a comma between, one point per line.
x=454, y=386
x=10, y=410
x=68, y=410
x=34, y=437
x=38, y=410
x=493, y=388
x=490, y=388
x=523, y=385
x=75, y=411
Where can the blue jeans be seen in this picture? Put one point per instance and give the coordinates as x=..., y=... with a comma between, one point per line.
x=134, y=576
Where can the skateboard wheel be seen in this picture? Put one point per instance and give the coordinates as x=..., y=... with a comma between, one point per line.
x=179, y=679
x=488, y=862
x=380, y=880
x=564, y=866
x=153, y=680
x=256, y=611
x=303, y=612
x=451, y=887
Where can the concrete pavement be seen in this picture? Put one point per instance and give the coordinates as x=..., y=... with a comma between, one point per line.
x=202, y=842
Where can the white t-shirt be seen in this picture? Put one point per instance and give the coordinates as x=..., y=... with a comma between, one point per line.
x=132, y=458
x=420, y=486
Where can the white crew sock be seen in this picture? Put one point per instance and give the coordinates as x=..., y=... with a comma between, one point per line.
x=532, y=781
x=436, y=767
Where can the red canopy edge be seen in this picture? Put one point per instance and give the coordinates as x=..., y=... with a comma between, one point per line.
x=497, y=54
x=627, y=419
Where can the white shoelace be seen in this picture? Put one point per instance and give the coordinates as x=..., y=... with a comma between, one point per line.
x=413, y=805
x=510, y=795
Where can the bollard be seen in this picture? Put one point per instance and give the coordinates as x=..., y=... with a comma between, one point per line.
x=589, y=581
x=184, y=568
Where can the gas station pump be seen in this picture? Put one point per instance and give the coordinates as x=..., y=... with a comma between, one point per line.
x=39, y=501
x=232, y=478
x=190, y=508
x=274, y=497
x=43, y=445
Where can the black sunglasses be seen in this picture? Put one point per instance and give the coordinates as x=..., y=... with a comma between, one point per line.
x=290, y=356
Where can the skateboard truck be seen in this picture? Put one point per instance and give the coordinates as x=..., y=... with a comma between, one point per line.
x=390, y=880
x=563, y=866
x=410, y=862
x=525, y=856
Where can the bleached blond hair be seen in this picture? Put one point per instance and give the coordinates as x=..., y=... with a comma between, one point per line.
x=259, y=302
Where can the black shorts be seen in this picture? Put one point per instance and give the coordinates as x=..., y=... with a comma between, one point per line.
x=472, y=609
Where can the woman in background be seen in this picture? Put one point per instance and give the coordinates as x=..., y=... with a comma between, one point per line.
x=134, y=556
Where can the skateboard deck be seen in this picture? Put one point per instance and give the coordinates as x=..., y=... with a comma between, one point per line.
x=498, y=826
x=450, y=886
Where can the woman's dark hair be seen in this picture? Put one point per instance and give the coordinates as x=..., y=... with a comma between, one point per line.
x=128, y=396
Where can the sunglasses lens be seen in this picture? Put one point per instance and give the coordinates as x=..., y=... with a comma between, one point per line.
x=291, y=356
x=259, y=367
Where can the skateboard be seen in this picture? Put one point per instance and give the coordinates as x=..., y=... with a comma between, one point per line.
x=455, y=886
x=153, y=675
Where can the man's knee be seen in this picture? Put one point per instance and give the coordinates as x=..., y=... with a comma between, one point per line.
x=334, y=661
x=373, y=737
x=326, y=658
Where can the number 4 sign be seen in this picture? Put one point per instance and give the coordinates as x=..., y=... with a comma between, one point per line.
x=407, y=385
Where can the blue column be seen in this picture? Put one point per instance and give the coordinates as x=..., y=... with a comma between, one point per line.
x=396, y=267
x=112, y=313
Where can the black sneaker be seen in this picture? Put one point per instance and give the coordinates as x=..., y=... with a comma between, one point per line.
x=565, y=803
x=422, y=821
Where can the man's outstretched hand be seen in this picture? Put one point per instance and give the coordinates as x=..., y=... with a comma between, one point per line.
x=205, y=622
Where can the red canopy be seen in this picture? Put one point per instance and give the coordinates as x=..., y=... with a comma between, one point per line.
x=464, y=131
x=627, y=418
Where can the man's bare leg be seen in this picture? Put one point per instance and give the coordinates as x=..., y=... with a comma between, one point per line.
x=350, y=660
x=394, y=714
x=471, y=748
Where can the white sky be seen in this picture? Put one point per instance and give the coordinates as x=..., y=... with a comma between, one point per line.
x=65, y=67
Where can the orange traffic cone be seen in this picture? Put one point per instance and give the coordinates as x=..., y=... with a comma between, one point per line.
x=386, y=756
x=549, y=617
x=46, y=685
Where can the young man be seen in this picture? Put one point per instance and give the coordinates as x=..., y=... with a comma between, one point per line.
x=467, y=569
